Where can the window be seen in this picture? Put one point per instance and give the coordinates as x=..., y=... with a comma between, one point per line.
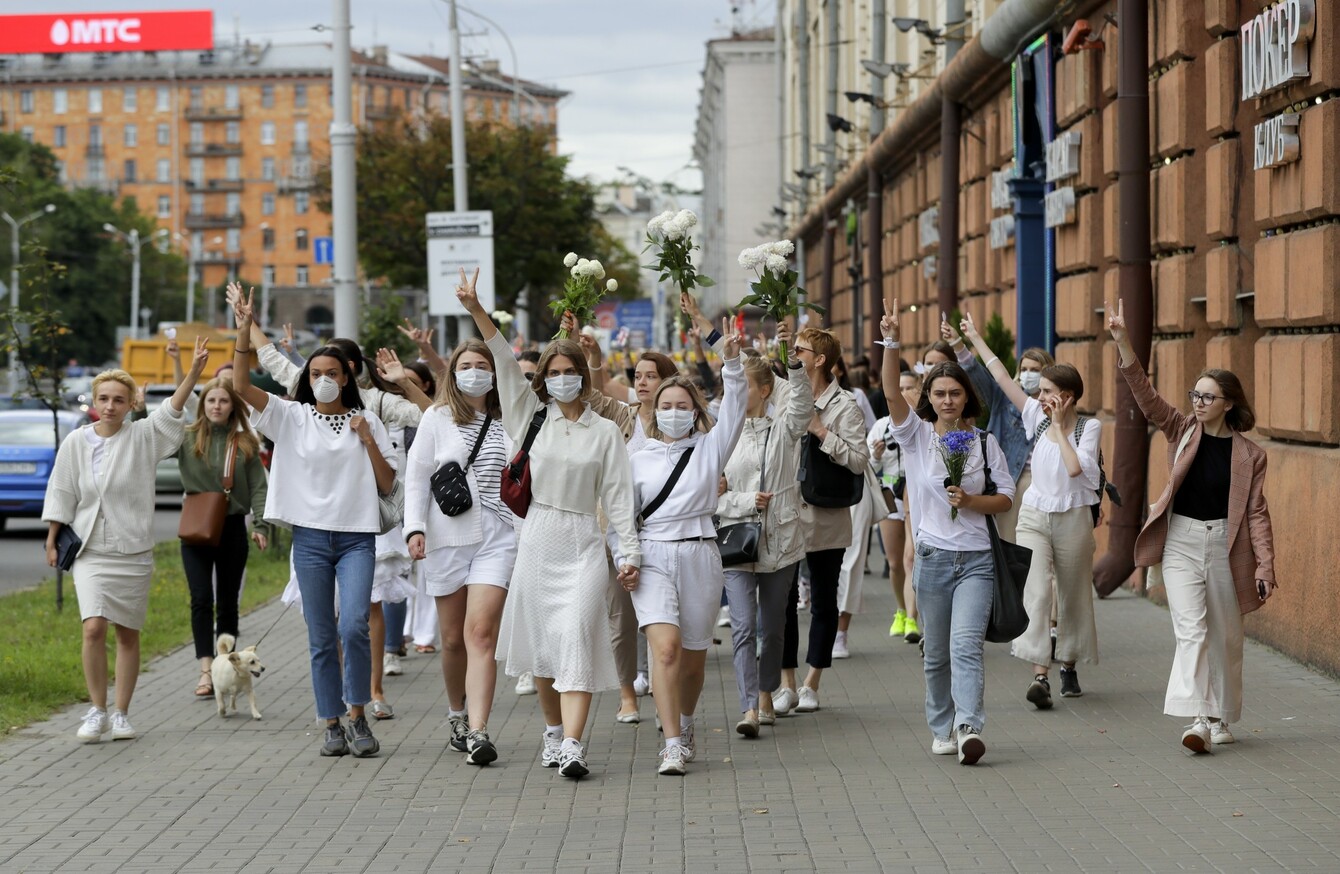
x=302, y=168
x=268, y=203
x=300, y=133
x=196, y=172
x=163, y=136
x=300, y=239
x=25, y=101
x=131, y=136
x=231, y=97
x=164, y=170
x=268, y=169
x=95, y=101
x=62, y=173
x=197, y=241
x=197, y=204
x=268, y=274
x=268, y=96
x=60, y=101
x=232, y=169
x=267, y=133
x=268, y=239
x=194, y=101
x=164, y=206
x=129, y=172
x=27, y=133
x=197, y=133
x=58, y=134
x=302, y=274
x=130, y=100
x=232, y=132
x=96, y=169
x=300, y=96
x=163, y=99
x=233, y=204
x=300, y=203
x=233, y=240
x=95, y=136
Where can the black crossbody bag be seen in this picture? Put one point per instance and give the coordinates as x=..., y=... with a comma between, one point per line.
x=666, y=489
x=451, y=488
x=739, y=542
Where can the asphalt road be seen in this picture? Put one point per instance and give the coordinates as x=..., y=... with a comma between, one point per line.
x=23, y=562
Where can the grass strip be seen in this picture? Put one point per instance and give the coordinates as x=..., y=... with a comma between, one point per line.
x=40, y=667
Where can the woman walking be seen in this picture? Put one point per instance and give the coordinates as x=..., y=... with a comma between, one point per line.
x=954, y=573
x=887, y=458
x=556, y=621
x=1211, y=530
x=761, y=487
x=1056, y=522
x=219, y=440
x=332, y=459
x=102, y=487
x=466, y=559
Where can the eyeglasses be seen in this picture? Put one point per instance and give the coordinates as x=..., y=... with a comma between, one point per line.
x=800, y=349
x=1198, y=398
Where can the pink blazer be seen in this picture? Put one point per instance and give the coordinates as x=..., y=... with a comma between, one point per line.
x=1251, y=546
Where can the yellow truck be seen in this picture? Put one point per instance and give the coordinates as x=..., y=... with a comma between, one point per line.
x=148, y=362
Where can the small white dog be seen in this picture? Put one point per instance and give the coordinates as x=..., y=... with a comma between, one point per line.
x=232, y=673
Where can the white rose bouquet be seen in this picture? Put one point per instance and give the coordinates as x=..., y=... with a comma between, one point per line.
x=668, y=233
x=582, y=291
x=777, y=291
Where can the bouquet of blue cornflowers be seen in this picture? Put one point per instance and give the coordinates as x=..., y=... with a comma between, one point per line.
x=955, y=448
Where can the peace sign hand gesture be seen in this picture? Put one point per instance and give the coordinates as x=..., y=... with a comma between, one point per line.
x=1116, y=321
x=888, y=323
x=200, y=358
x=467, y=292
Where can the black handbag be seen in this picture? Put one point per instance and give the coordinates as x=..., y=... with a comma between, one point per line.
x=68, y=545
x=824, y=482
x=1011, y=561
x=451, y=488
x=739, y=543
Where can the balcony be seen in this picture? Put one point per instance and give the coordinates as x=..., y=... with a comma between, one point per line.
x=213, y=113
x=289, y=184
x=200, y=221
x=214, y=185
x=95, y=150
x=302, y=148
x=106, y=186
x=213, y=150
x=380, y=113
x=232, y=259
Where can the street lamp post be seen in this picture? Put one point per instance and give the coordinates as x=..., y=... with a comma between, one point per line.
x=14, y=279
x=133, y=240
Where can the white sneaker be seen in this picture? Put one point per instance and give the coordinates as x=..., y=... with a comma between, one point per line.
x=970, y=745
x=391, y=664
x=1197, y=736
x=572, y=761
x=525, y=684
x=672, y=761
x=94, y=726
x=1219, y=733
x=783, y=701
x=549, y=754
x=807, y=700
x=686, y=742
x=121, y=727
x=840, y=650
x=943, y=746
x=723, y=617
x=803, y=594
x=641, y=686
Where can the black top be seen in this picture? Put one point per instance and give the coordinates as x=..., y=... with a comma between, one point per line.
x=1204, y=492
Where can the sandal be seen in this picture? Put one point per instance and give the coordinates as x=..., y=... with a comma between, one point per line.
x=381, y=710
x=425, y=648
x=205, y=688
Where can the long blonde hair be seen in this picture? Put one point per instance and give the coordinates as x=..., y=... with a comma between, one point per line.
x=451, y=397
x=237, y=425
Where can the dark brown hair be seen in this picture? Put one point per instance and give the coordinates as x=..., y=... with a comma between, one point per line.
x=1065, y=377
x=943, y=348
x=972, y=406
x=1240, y=417
x=665, y=365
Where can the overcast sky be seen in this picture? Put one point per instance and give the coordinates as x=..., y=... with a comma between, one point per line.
x=634, y=67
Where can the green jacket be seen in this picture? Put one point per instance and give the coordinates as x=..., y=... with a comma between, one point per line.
x=206, y=475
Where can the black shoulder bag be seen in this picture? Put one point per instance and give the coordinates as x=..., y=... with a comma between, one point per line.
x=739, y=542
x=451, y=488
x=1008, y=619
x=666, y=489
x=824, y=482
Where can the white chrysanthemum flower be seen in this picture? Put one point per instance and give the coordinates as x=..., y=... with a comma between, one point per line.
x=782, y=247
x=612, y=285
x=775, y=263
x=751, y=258
x=570, y=259
x=502, y=317
x=686, y=219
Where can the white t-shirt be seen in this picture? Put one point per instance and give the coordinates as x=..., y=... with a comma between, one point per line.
x=925, y=471
x=1054, y=490
x=320, y=478
x=99, y=444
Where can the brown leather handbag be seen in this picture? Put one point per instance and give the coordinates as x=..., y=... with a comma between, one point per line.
x=203, y=513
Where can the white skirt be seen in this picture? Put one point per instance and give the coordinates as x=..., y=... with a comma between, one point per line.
x=556, y=623
x=114, y=586
x=390, y=579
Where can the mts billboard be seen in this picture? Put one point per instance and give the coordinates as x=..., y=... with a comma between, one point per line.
x=106, y=32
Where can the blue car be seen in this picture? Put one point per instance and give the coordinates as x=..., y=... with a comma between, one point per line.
x=27, y=454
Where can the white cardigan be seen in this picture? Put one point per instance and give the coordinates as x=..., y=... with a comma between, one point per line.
x=125, y=496
x=437, y=442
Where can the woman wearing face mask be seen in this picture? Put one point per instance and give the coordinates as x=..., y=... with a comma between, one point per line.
x=887, y=458
x=331, y=460
x=220, y=437
x=761, y=486
x=102, y=486
x=467, y=559
x=1008, y=427
x=1056, y=522
x=954, y=573
x=556, y=621
x=1211, y=530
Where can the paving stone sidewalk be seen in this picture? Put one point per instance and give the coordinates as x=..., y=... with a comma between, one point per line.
x=1099, y=783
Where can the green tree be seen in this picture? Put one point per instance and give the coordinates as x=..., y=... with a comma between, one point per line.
x=380, y=329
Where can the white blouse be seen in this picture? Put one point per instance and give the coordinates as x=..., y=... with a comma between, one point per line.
x=1054, y=490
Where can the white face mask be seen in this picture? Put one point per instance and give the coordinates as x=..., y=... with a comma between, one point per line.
x=563, y=388
x=1030, y=380
x=475, y=382
x=674, y=423
x=325, y=390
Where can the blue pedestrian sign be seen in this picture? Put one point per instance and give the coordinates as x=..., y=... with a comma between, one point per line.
x=323, y=249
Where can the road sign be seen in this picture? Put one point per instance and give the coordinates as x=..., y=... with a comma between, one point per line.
x=456, y=241
x=323, y=250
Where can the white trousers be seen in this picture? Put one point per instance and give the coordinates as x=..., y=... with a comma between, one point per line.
x=1007, y=522
x=851, y=582
x=1063, y=546
x=421, y=618
x=1206, y=677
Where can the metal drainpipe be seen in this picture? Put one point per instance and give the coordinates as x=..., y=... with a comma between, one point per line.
x=946, y=275
x=1130, y=466
x=874, y=198
x=830, y=175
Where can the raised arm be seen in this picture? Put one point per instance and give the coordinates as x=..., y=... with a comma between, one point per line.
x=255, y=397
x=519, y=403
x=799, y=407
x=1008, y=387
x=734, y=398
x=468, y=294
x=1164, y=415
x=888, y=326
x=423, y=339
x=391, y=370
x=187, y=384
x=174, y=355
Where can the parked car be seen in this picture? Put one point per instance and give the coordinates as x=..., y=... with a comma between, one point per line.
x=27, y=454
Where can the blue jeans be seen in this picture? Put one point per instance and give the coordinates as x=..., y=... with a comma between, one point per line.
x=954, y=595
x=395, y=624
x=318, y=558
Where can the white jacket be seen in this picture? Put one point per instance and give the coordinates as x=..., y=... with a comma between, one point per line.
x=437, y=442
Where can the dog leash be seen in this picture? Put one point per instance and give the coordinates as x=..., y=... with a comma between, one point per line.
x=272, y=626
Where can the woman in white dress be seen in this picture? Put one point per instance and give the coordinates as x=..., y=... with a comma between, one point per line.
x=556, y=621
x=467, y=558
x=102, y=486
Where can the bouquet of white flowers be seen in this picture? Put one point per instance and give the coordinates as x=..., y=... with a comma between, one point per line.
x=777, y=290
x=669, y=234
x=581, y=291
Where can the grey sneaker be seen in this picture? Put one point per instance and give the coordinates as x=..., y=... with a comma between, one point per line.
x=361, y=742
x=460, y=730
x=970, y=745
x=686, y=741
x=391, y=664
x=479, y=749
x=94, y=726
x=335, y=744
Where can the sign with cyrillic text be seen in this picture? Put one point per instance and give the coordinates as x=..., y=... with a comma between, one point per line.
x=107, y=32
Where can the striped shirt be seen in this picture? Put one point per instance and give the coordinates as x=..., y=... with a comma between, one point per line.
x=488, y=464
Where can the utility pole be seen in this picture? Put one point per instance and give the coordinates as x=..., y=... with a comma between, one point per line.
x=458, y=165
x=14, y=226
x=136, y=245
x=343, y=135
x=192, y=256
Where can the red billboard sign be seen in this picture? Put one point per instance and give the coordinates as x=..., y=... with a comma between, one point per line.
x=106, y=32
